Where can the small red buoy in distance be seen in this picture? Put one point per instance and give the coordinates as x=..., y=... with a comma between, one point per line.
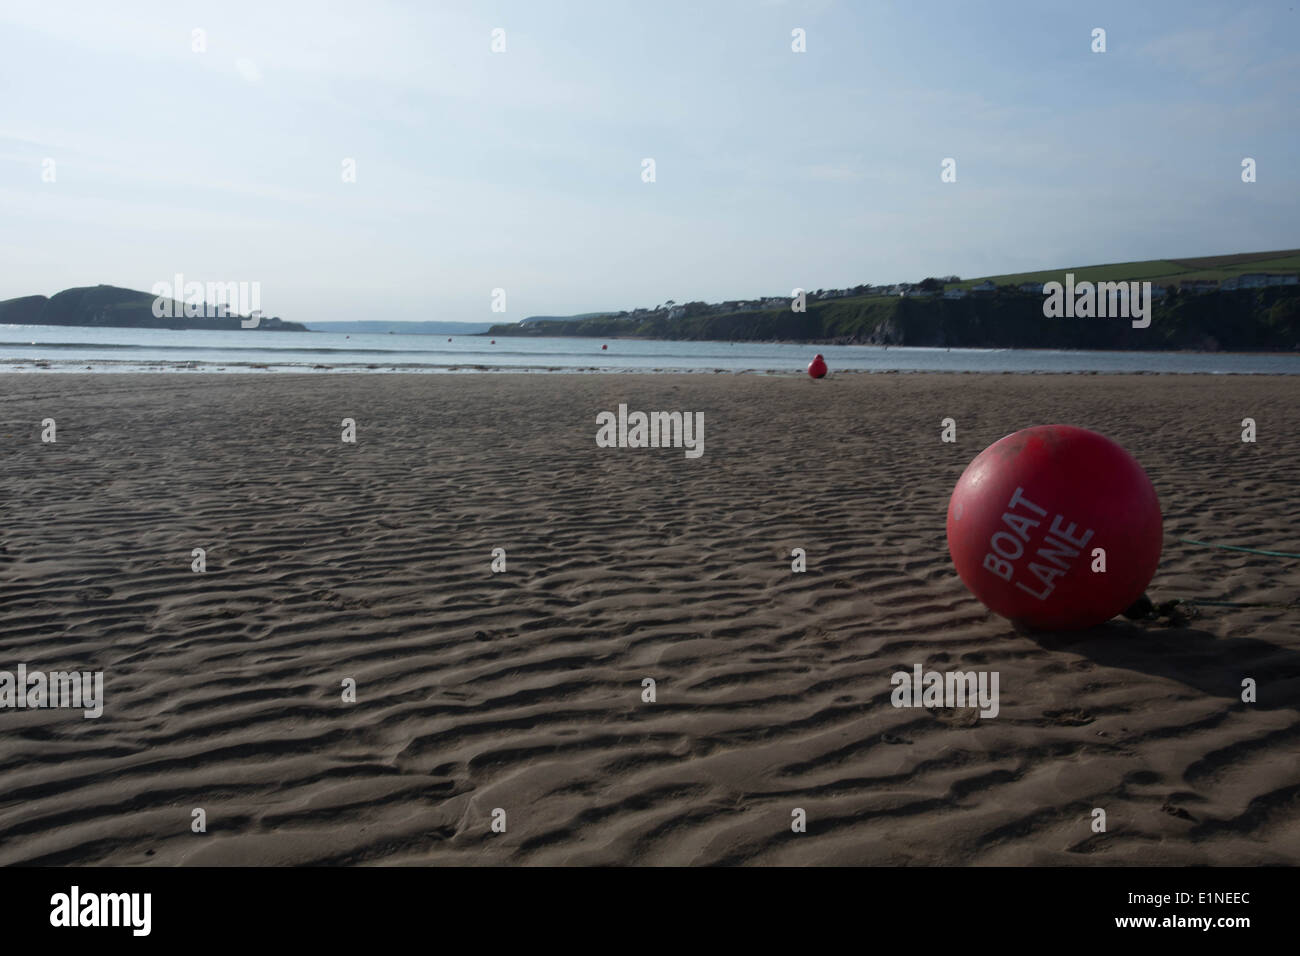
x=1055, y=527
x=817, y=367
x=604, y=347
x=494, y=341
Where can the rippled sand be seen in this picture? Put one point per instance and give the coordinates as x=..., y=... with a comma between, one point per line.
x=523, y=690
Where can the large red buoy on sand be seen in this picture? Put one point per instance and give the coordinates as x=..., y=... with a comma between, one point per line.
x=1028, y=513
x=817, y=367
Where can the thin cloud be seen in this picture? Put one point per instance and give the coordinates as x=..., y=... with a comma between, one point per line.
x=248, y=70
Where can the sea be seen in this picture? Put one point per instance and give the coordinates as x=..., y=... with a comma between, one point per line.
x=51, y=349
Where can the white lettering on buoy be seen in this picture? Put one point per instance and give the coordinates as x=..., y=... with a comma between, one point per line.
x=1020, y=524
x=1068, y=535
x=1002, y=569
x=1010, y=556
x=1055, y=555
x=1017, y=498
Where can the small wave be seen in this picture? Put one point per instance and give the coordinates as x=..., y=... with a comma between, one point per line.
x=164, y=365
x=209, y=348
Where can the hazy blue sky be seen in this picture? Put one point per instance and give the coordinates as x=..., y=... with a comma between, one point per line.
x=522, y=170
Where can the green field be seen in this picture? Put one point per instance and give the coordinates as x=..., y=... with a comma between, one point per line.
x=1156, y=271
x=1159, y=271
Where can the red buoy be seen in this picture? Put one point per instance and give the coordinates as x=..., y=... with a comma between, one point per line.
x=604, y=347
x=1029, y=514
x=817, y=367
x=494, y=341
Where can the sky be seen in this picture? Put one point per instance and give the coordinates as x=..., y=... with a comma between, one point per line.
x=522, y=170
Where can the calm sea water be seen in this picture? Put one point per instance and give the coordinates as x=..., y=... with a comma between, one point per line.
x=29, y=348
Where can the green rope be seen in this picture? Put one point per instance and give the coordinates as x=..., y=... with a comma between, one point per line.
x=1233, y=547
x=1167, y=607
x=1202, y=603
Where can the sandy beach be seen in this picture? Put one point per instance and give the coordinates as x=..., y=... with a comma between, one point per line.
x=522, y=690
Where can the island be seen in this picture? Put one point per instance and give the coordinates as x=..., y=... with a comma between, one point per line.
x=106, y=306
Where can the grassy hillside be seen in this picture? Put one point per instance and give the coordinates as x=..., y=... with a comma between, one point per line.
x=1245, y=320
x=1159, y=271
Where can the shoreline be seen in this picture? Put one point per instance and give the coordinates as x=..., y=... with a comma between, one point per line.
x=213, y=368
x=1294, y=350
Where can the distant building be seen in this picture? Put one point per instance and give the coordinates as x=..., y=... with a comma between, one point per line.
x=954, y=293
x=1199, y=285
x=1035, y=288
x=1158, y=291
x=1258, y=280
x=985, y=286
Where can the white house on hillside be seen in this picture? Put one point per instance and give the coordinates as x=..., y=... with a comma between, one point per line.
x=1258, y=280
